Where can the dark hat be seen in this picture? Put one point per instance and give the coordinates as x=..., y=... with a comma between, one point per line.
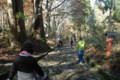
x=28, y=46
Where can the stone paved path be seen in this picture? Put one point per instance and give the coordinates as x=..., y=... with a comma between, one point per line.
x=63, y=65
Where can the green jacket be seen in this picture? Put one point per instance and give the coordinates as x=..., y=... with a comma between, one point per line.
x=80, y=45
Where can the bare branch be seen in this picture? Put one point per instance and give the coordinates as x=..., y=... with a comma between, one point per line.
x=47, y=2
x=50, y=6
x=58, y=5
x=58, y=14
x=61, y=20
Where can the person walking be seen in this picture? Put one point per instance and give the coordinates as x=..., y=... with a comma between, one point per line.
x=80, y=50
x=59, y=43
x=71, y=42
x=25, y=65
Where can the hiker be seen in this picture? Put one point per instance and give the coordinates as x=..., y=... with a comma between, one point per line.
x=25, y=65
x=59, y=43
x=71, y=42
x=80, y=50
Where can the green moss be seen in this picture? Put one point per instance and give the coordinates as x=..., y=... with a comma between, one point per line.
x=93, y=64
x=106, y=75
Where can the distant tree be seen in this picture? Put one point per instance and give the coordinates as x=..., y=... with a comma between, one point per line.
x=80, y=11
x=52, y=11
x=116, y=14
x=109, y=5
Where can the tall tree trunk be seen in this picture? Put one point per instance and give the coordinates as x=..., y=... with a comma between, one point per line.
x=39, y=20
x=2, y=20
x=20, y=21
x=11, y=20
x=17, y=25
x=110, y=16
x=42, y=32
x=48, y=23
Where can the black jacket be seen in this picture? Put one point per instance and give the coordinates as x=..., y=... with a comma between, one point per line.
x=24, y=64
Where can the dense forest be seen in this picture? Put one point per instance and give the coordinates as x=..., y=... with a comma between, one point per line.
x=43, y=21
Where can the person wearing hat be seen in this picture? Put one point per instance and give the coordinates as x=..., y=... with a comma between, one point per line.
x=26, y=66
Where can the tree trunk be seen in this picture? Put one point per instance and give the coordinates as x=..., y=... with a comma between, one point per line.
x=42, y=32
x=48, y=24
x=12, y=25
x=17, y=25
x=20, y=21
x=39, y=19
x=110, y=16
x=2, y=21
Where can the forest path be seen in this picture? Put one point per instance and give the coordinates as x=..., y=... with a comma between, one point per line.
x=63, y=65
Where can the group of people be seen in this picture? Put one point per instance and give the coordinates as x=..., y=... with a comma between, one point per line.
x=26, y=66
x=59, y=42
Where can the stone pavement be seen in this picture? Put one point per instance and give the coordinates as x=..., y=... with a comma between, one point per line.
x=63, y=65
